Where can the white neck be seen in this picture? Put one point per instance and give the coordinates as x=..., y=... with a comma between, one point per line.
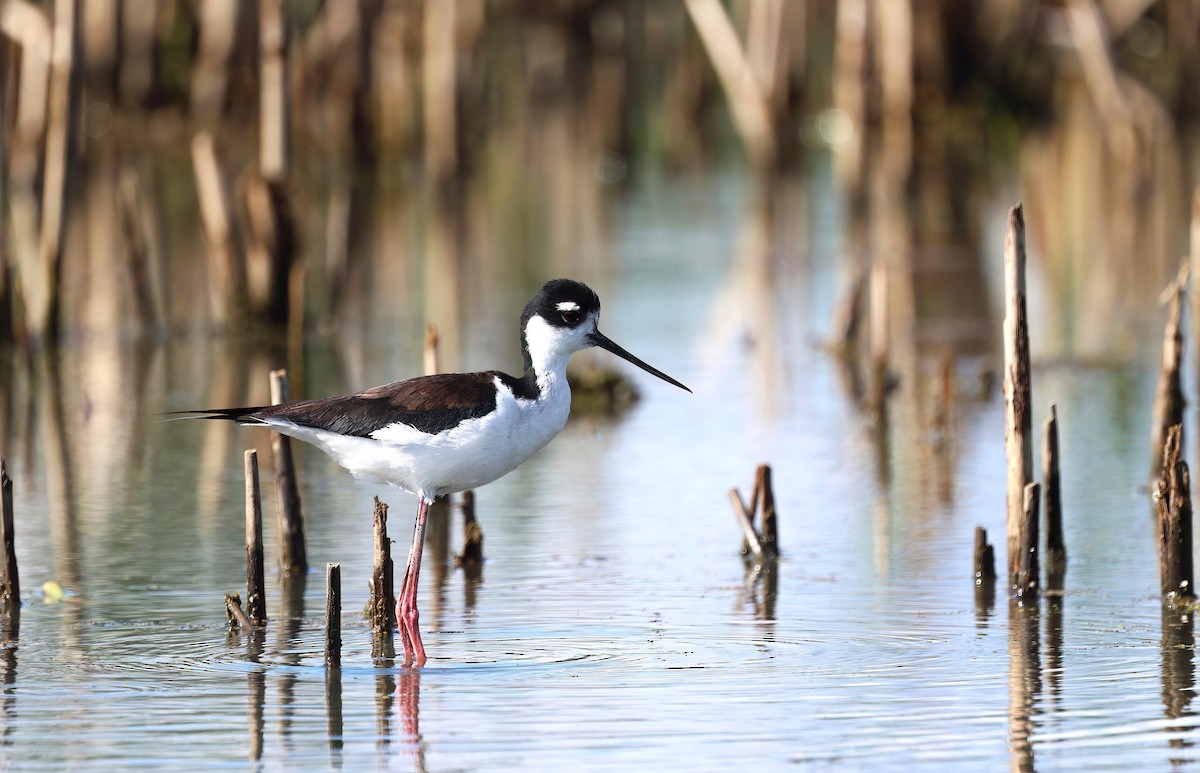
x=549, y=351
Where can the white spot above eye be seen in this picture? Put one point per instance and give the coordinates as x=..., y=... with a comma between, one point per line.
x=567, y=306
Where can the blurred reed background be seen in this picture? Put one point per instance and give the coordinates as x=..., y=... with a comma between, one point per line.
x=263, y=170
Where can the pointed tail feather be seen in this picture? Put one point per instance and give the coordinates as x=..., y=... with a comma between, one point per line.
x=241, y=415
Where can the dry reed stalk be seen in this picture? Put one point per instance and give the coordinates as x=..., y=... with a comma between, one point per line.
x=1174, y=508
x=1056, y=549
x=141, y=248
x=878, y=318
x=333, y=615
x=382, y=605
x=10, y=593
x=41, y=308
x=274, y=135
x=439, y=51
x=293, y=556
x=140, y=20
x=216, y=25
x=1018, y=420
x=1168, y=397
x=745, y=520
x=850, y=83
x=256, y=586
x=226, y=266
x=747, y=105
x=1194, y=262
x=28, y=27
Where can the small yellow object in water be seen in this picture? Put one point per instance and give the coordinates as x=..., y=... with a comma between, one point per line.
x=52, y=592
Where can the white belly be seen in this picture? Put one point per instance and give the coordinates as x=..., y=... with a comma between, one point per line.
x=475, y=453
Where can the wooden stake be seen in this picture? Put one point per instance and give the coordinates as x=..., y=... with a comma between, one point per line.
x=1175, y=521
x=293, y=557
x=1024, y=582
x=472, y=551
x=1018, y=421
x=333, y=615
x=770, y=529
x=1168, y=398
x=382, y=605
x=256, y=587
x=1056, y=550
x=10, y=593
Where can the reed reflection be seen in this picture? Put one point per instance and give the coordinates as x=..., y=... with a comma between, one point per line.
x=1178, y=676
x=256, y=684
x=333, y=714
x=762, y=586
x=1024, y=682
x=287, y=624
x=8, y=678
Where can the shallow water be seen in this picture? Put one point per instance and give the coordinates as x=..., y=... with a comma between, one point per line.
x=614, y=625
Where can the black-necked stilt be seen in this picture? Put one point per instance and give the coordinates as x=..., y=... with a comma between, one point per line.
x=437, y=435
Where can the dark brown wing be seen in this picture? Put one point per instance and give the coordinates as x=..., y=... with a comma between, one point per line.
x=428, y=403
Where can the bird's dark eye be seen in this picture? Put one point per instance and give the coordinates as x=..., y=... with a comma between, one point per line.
x=571, y=316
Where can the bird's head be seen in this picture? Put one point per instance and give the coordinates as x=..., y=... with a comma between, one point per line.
x=563, y=318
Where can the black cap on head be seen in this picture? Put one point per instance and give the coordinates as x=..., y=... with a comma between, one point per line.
x=558, y=295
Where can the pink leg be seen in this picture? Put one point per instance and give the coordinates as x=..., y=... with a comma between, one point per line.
x=407, y=616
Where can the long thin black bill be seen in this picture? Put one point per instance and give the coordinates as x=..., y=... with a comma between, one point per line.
x=599, y=339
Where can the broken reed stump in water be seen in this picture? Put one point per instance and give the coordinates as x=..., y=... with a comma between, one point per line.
x=472, y=551
x=752, y=543
x=293, y=557
x=381, y=607
x=10, y=593
x=237, y=616
x=764, y=543
x=256, y=587
x=1056, y=549
x=1018, y=412
x=1175, y=521
x=1168, y=396
x=766, y=501
x=985, y=565
x=1023, y=581
x=333, y=615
